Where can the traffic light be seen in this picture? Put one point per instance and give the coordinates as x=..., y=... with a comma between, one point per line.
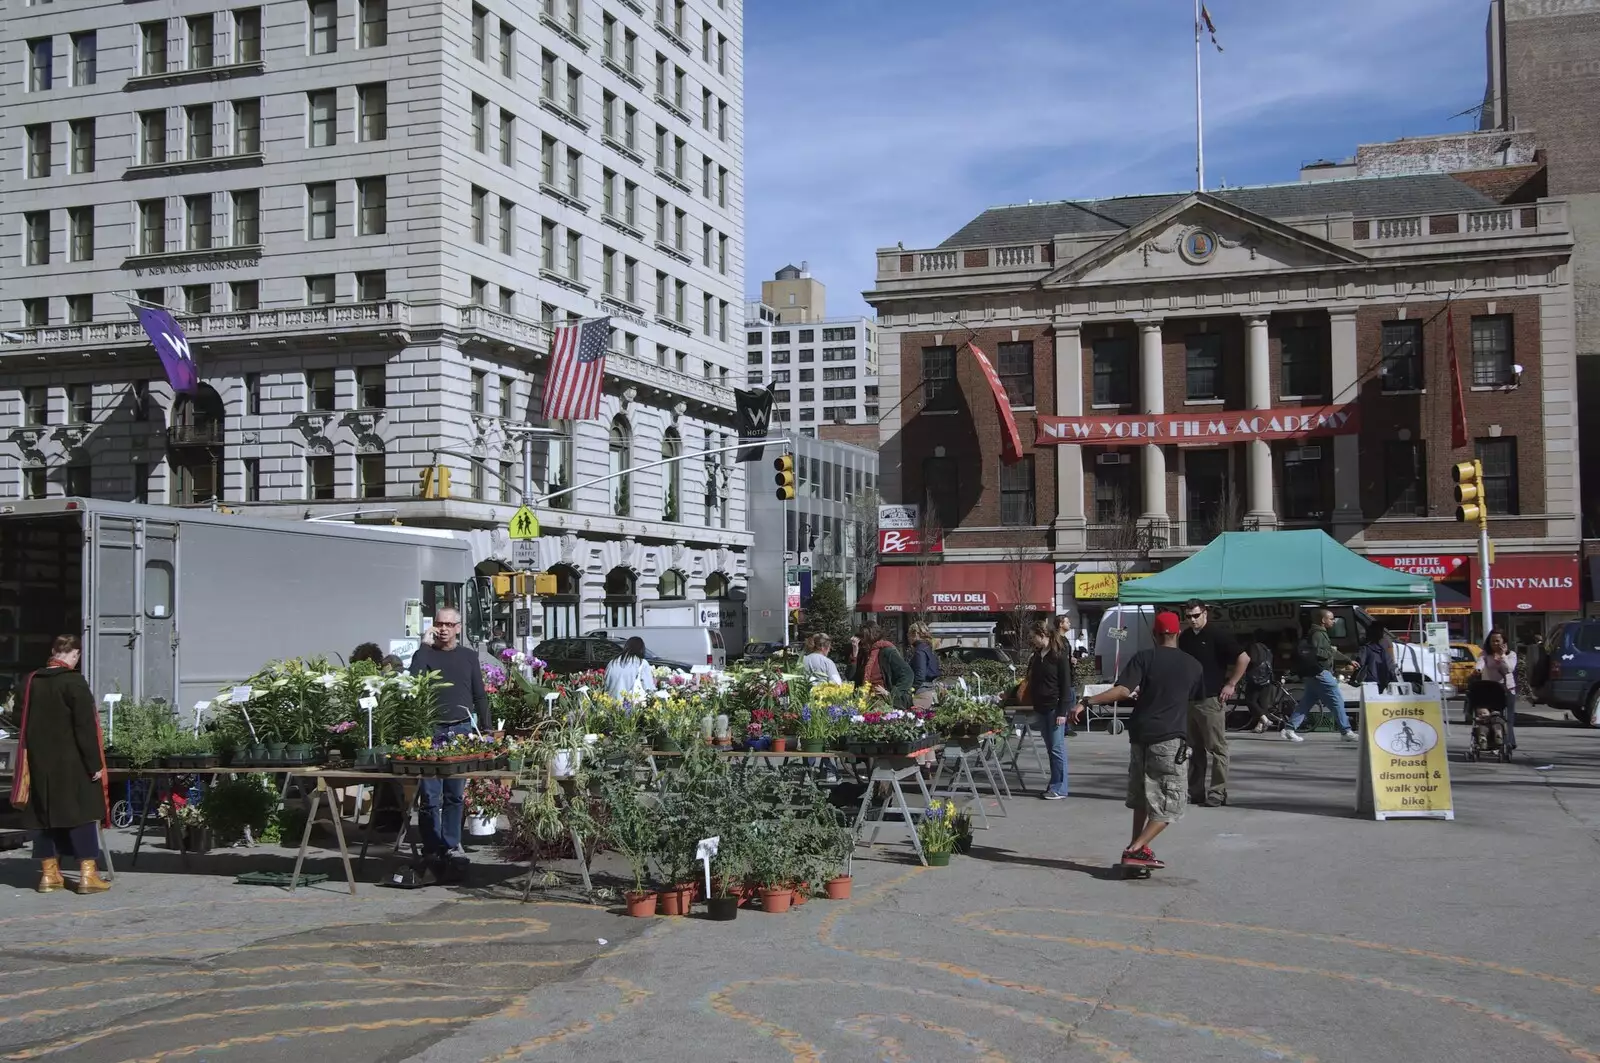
x=435, y=481
x=505, y=584
x=784, y=477
x=1471, y=507
x=544, y=583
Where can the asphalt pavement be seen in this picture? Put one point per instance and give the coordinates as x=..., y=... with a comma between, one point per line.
x=1283, y=929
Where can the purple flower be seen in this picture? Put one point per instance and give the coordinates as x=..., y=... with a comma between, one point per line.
x=508, y=653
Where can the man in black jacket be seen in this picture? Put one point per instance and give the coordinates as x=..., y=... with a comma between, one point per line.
x=1167, y=680
x=461, y=697
x=1223, y=664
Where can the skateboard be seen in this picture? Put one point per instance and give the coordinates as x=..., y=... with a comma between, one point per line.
x=1134, y=870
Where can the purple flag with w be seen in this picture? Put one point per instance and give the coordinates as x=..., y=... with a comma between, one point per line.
x=173, y=347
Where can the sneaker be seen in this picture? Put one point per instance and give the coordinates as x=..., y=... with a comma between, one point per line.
x=1145, y=857
x=1291, y=735
x=1349, y=736
x=1051, y=795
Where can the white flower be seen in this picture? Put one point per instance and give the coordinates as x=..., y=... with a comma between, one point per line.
x=327, y=679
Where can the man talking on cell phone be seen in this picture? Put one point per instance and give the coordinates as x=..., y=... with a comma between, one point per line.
x=461, y=696
x=1166, y=680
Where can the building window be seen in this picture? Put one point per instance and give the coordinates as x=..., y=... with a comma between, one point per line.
x=1499, y=458
x=1113, y=488
x=246, y=217
x=197, y=222
x=672, y=450
x=80, y=481
x=508, y=301
x=37, y=226
x=372, y=286
x=373, y=194
x=319, y=478
x=373, y=475
x=152, y=226
x=574, y=255
x=245, y=295
x=152, y=138
x=85, y=58
x=480, y=211
x=324, y=19
x=617, y=454
x=574, y=93
x=374, y=16
x=247, y=35
x=942, y=491
x=547, y=244
x=507, y=491
x=1113, y=371
x=574, y=173
x=153, y=48
x=1405, y=481
x=80, y=309
x=320, y=290
x=507, y=397
x=320, y=390
x=1016, y=493
x=1302, y=491
x=247, y=127
x=34, y=484
x=630, y=280
x=940, y=390
x=508, y=138
x=508, y=227
x=480, y=124
x=35, y=407
x=199, y=120
x=372, y=103
x=478, y=290
x=197, y=298
x=479, y=385
x=202, y=30
x=323, y=109
x=1401, y=365
x=480, y=32
x=252, y=480
x=321, y=207
x=82, y=134
x=80, y=404
x=1016, y=372
x=1203, y=367
x=38, y=137
x=1300, y=363
x=1491, y=351
x=508, y=49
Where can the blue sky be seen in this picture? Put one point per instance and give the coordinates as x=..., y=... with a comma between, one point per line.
x=875, y=121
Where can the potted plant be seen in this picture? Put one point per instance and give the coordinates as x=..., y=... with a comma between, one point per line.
x=239, y=808
x=186, y=825
x=727, y=890
x=633, y=831
x=774, y=870
x=817, y=726
x=486, y=801
x=936, y=831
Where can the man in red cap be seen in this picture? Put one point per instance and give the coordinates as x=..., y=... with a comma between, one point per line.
x=1164, y=680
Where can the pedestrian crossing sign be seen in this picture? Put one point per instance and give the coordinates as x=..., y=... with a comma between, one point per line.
x=523, y=524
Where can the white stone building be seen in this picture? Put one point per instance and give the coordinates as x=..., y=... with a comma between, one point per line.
x=368, y=214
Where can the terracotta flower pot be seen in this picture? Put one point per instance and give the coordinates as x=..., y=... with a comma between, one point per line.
x=838, y=888
x=802, y=893
x=640, y=905
x=780, y=745
x=775, y=901
x=677, y=900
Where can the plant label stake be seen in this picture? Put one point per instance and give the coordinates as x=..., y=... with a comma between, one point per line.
x=704, y=851
x=238, y=696
x=963, y=681
x=199, y=707
x=369, y=703
x=111, y=714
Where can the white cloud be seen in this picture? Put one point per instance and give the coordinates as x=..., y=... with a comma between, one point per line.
x=859, y=139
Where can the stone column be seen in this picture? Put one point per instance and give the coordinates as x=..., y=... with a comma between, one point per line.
x=1348, y=522
x=1152, y=384
x=1258, y=395
x=1071, y=525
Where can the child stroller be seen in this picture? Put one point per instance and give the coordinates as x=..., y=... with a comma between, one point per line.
x=1486, y=709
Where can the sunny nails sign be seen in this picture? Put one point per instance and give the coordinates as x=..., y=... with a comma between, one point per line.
x=1530, y=583
x=1232, y=426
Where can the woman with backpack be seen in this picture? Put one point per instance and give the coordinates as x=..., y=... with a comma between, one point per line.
x=1373, y=661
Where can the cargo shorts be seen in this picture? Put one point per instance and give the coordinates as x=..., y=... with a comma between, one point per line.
x=1156, y=781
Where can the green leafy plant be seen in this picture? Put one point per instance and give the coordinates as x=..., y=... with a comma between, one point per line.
x=145, y=731
x=633, y=829
x=230, y=806
x=937, y=829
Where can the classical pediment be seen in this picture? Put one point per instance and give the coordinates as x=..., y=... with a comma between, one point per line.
x=1197, y=237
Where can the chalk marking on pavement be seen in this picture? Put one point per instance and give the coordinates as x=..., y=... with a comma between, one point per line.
x=85, y=913
x=534, y=924
x=867, y=1026
x=800, y=1050
x=1330, y=939
x=250, y=1009
x=1548, y=1034
x=1250, y=1037
x=632, y=997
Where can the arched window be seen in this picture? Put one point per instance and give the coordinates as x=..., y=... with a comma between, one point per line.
x=671, y=505
x=673, y=587
x=620, y=457
x=194, y=446
x=562, y=609
x=622, y=597
x=716, y=586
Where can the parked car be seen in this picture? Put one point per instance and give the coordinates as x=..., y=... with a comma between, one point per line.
x=1565, y=674
x=700, y=645
x=756, y=652
x=1463, y=663
x=581, y=654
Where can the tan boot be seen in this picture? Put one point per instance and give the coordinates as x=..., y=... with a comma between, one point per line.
x=50, y=878
x=89, y=880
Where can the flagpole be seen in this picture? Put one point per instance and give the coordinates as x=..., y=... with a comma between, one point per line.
x=1199, y=113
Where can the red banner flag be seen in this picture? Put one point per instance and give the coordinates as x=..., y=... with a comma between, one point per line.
x=1010, y=441
x=1458, y=408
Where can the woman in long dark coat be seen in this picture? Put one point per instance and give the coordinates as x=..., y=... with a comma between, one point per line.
x=60, y=784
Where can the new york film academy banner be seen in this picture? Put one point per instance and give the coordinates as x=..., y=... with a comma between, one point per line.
x=1223, y=426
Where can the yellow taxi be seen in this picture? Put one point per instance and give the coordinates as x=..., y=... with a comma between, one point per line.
x=1463, y=663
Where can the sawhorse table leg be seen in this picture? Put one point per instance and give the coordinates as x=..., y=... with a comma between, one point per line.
x=319, y=797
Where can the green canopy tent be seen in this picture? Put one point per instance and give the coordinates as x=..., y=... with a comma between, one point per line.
x=1306, y=566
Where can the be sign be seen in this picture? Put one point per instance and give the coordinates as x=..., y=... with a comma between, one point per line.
x=894, y=541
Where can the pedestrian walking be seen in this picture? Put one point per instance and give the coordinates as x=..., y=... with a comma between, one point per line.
x=1498, y=664
x=820, y=666
x=1317, y=659
x=1261, y=683
x=1167, y=681
x=924, y=665
x=60, y=780
x=1375, y=658
x=1054, y=701
x=461, y=699
x=1222, y=665
x=628, y=673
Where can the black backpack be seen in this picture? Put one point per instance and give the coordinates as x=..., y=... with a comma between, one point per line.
x=1259, y=675
x=1305, y=659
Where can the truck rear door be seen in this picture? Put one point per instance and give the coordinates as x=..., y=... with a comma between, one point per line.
x=131, y=584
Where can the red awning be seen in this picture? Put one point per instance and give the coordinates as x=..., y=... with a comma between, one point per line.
x=961, y=587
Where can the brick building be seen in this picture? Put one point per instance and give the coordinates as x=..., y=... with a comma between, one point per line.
x=1288, y=346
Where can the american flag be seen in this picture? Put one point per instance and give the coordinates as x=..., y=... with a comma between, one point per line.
x=577, y=369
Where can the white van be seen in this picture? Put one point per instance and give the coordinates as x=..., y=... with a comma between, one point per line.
x=699, y=647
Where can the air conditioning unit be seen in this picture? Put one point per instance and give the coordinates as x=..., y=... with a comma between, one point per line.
x=1303, y=454
x=1114, y=457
